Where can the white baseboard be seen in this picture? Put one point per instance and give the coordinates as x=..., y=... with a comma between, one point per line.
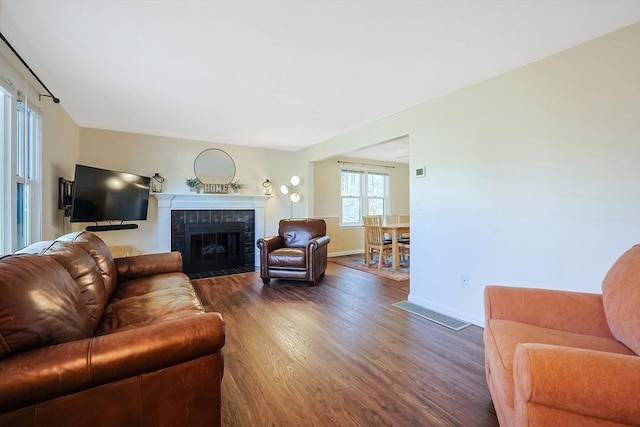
x=447, y=311
x=343, y=253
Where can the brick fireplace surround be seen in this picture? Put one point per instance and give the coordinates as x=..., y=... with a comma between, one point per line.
x=229, y=204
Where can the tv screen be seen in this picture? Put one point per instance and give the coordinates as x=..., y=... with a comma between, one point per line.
x=105, y=195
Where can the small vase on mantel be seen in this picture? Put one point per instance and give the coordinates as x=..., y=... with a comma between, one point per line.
x=193, y=184
x=235, y=186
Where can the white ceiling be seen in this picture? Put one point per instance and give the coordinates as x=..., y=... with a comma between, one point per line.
x=282, y=74
x=396, y=151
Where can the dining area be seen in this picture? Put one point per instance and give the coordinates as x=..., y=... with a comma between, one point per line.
x=388, y=237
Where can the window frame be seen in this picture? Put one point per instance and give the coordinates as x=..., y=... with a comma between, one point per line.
x=28, y=144
x=12, y=101
x=7, y=101
x=364, y=194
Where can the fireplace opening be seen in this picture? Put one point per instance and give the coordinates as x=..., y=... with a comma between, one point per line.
x=213, y=246
x=209, y=259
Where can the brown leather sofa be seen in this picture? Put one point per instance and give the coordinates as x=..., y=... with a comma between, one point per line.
x=558, y=358
x=298, y=252
x=86, y=340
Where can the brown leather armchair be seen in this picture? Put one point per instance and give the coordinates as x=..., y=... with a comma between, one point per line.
x=298, y=252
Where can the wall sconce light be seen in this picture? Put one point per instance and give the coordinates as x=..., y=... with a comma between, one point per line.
x=291, y=189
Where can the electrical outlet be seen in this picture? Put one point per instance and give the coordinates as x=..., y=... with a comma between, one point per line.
x=464, y=281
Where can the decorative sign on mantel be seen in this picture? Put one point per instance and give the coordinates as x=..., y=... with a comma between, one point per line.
x=215, y=188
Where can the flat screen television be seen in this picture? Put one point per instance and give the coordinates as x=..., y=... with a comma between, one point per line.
x=106, y=195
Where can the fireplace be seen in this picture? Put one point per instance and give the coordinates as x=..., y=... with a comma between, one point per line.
x=175, y=210
x=214, y=242
x=213, y=247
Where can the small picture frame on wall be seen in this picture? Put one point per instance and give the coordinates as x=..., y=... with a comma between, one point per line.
x=421, y=172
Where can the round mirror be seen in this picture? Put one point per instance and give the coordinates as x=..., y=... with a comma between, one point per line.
x=214, y=166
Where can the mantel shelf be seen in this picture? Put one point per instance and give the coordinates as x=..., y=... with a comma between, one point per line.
x=209, y=201
x=164, y=196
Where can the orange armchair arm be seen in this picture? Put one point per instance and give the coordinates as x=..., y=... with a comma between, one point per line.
x=556, y=385
x=576, y=312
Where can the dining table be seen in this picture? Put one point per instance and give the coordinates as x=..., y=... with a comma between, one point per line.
x=395, y=229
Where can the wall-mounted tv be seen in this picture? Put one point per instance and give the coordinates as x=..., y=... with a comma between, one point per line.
x=106, y=195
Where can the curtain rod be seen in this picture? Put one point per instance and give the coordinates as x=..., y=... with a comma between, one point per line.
x=56, y=100
x=366, y=164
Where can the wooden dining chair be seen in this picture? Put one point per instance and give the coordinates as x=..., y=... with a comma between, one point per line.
x=403, y=247
x=375, y=239
x=403, y=238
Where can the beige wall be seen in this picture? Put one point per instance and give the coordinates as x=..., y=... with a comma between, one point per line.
x=173, y=159
x=60, y=148
x=533, y=177
x=326, y=200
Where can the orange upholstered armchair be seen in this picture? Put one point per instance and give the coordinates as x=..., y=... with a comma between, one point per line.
x=557, y=358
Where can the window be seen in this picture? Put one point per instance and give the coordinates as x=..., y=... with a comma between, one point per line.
x=20, y=211
x=362, y=192
x=27, y=148
x=5, y=199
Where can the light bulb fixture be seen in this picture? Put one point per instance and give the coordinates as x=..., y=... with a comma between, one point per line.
x=294, y=196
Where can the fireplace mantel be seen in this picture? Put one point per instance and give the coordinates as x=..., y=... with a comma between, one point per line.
x=168, y=202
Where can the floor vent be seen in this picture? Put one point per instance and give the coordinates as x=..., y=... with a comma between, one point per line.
x=434, y=316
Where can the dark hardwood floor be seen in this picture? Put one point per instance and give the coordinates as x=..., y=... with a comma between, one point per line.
x=339, y=354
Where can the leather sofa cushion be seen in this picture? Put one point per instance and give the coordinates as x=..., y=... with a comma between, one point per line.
x=621, y=298
x=138, y=266
x=505, y=335
x=83, y=271
x=101, y=255
x=40, y=305
x=150, y=300
x=287, y=257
